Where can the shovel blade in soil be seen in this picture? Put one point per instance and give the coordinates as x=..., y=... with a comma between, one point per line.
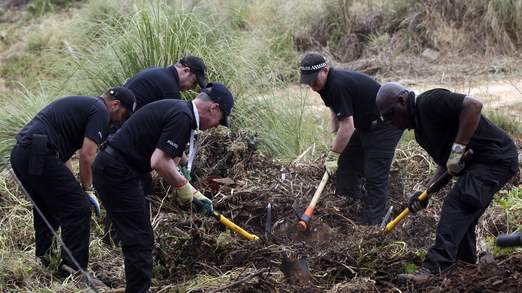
x=296, y=271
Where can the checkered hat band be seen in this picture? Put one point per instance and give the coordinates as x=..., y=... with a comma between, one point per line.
x=313, y=67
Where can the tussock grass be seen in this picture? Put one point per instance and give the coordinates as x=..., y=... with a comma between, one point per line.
x=16, y=113
x=504, y=121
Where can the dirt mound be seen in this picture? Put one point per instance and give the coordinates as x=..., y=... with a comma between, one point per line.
x=198, y=254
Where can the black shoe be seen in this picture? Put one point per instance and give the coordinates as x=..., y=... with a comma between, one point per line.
x=421, y=276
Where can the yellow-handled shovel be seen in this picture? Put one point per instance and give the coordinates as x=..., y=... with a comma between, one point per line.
x=230, y=225
x=436, y=186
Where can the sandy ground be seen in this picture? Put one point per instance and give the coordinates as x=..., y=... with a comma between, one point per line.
x=504, y=94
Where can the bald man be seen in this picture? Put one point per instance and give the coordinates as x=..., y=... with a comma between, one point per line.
x=446, y=124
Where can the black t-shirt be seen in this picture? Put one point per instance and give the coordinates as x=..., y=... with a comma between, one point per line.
x=436, y=124
x=350, y=93
x=67, y=121
x=154, y=84
x=164, y=124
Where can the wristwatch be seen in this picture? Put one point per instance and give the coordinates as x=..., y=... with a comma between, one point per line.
x=458, y=148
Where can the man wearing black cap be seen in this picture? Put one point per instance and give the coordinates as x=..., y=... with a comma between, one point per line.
x=363, y=146
x=38, y=160
x=446, y=124
x=155, y=83
x=153, y=139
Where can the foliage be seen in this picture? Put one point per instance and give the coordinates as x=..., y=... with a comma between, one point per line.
x=475, y=26
x=504, y=121
x=16, y=113
x=41, y=7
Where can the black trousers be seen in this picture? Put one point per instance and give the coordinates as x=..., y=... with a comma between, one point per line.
x=122, y=195
x=368, y=156
x=60, y=197
x=110, y=235
x=465, y=203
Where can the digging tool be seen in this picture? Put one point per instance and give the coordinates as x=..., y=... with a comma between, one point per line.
x=307, y=216
x=230, y=225
x=510, y=240
x=268, y=222
x=296, y=271
x=386, y=217
x=436, y=186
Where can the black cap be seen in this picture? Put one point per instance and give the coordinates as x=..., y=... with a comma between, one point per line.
x=197, y=66
x=220, y=94
x=125, y=96
x=311, y=64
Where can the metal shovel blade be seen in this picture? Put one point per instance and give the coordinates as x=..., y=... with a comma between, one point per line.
x=386, y=218
x=296, y=271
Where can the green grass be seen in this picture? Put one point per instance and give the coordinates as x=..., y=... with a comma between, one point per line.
x=504, y=121
x=16, y=113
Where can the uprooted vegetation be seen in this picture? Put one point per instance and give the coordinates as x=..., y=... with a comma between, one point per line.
x=253, y=47
x=197, y=254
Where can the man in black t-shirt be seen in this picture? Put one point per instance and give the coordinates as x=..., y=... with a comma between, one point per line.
x=154, y=84
x=153, y=139
x=446, y=124
x=363, y=146
x=38, y=160
x=158, y=83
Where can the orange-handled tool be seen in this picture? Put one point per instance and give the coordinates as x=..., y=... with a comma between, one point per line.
x=307, y=216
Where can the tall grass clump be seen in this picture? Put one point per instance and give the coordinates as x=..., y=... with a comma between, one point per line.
x=158, y=35
x=15, y=114
x=504, y=121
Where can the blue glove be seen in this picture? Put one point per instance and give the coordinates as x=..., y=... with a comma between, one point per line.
x=185, y=172
x=203, y=204
x=94, y=202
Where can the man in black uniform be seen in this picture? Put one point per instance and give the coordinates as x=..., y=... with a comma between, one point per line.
x=155, y=83
x=363, y=145
x=445, y=125
x=153, y=139
x=38, y=160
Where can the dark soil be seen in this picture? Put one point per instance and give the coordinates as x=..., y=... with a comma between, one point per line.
x=336, y=255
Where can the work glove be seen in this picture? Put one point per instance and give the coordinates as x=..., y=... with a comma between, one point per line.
x=94, y=201
x=330, y=164
x=455, y=165
x=203, y=203
x=185, y=172
x=185, y=192
x=415, y=204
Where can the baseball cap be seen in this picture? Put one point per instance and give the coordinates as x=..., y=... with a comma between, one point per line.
x=220, y=94
x=125, y=96
x=311, y=64
x=197, y=66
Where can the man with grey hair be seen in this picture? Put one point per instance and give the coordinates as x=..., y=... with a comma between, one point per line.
x=363, y=146
x=446, y=124
x=153, y=139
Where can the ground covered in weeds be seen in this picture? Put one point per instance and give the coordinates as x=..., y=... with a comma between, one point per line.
x=196, y=253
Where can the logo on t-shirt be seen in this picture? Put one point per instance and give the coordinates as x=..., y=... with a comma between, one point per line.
x=100, y=134
x=173, y=144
